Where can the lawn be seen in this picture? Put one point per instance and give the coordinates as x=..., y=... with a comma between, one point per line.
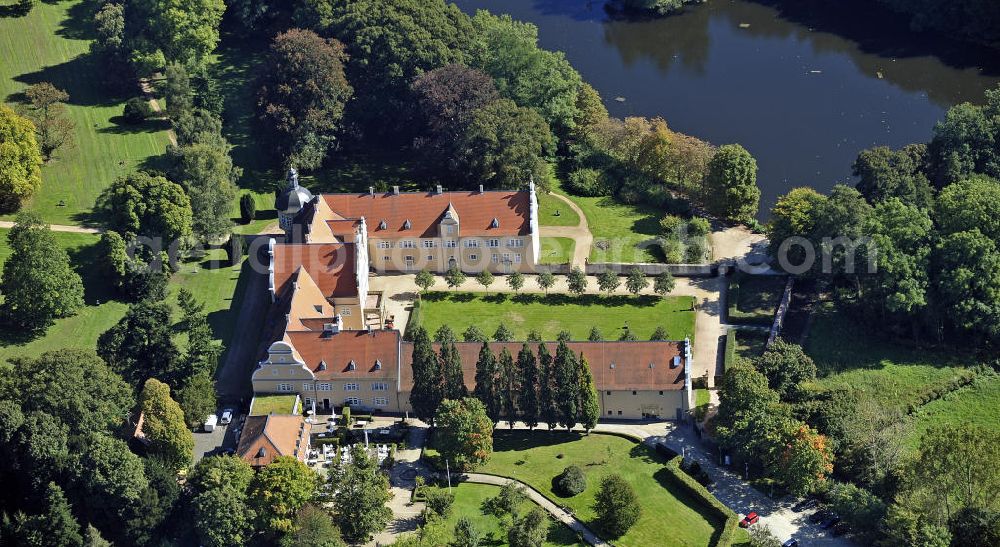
x=669, y=516
x=977, y=404
x=848, y=356
x=556, y=312
x=470, y=497
x=553, y=211
x=628, y=232
x=51, y=45
x=272, y=404
x=754, y=299
x=556, y=250
x=216, y=285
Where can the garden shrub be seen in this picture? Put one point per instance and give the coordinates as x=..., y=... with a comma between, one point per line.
x=587, y=182
x=571, y=481
x=439, y=501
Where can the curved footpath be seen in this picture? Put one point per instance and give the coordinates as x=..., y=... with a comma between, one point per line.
x=579, y=233
x=557, y=512
x=58, y=228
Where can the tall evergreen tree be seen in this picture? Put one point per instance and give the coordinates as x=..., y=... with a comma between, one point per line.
x=508, y=386
x=547, y=410
x=56, y=527
x=527, y=402
x=589, y=405
x=486, y=382
x=567, y=385
x=451, y=365
x=427, y=378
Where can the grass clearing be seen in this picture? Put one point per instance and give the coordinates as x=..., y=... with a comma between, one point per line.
x=553, y=211
x=556, y=250
x=51, y=44
x=977, y=404
x=556, y=312
x=849, y=357
x=629, y=232
x=470, y=497
x=754, y=299
x=669, y=516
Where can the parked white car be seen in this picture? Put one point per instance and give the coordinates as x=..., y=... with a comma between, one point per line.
x=227, y=416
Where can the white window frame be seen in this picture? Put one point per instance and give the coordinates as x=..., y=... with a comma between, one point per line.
x=285, y=388
x=352, y=401
x=323, y=386
x=428, y=243
x=345, y=310
x=386, y=259
x=306, y=386
x=496, y=258
x=407, y=244
x=384, y=244
x=352, y=386
x=517, y=258
x=450, y=244
x=493, y=242
x=515, y=242
x=473, y=257
x=380, y=401
x=471, y=243
x=380, y=386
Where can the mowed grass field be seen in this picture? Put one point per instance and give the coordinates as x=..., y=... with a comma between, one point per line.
x=555, y=250
x=630, y=231
x=51, y=44
x=557, y=312
x=468, y=501
x=213, y=283
x=977, y=404
x=552, y=211
x=669, y=517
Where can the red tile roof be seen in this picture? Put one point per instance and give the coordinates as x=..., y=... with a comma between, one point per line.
x=338, y=350
x=631, y=361
x=330, y=265
x=476, y=211
x=271, y=436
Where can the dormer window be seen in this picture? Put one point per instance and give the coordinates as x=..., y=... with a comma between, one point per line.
x=495, y=223
x=612, y=365
x=378, y=364
x=407, y=224
x=318, y=307
x=322, y=365
x=352, y=365
x=383, y=225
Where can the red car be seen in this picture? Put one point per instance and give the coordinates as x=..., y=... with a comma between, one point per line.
x=749, y=520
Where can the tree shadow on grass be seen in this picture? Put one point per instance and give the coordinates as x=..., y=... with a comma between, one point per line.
x=78, y=24
x=75, y=77
x=121, y=127
x=524, y=439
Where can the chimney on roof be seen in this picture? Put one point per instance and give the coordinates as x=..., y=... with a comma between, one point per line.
x=371, y=191
x=480, y=188
x=330, y=329
x=439, y=189
x=395, y=190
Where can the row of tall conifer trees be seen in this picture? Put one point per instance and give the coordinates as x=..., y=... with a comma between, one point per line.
x=532, y=387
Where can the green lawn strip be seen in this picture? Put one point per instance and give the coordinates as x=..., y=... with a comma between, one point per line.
x=272, y=404
x=215, y=284
x=553, y=211
x=754, y=299
x=556, y=250
x=848, y=357
x=556, y=312
x=976, y=404
x=630, y=231
x=671, y=514
x=469, y=498
x=51, y=44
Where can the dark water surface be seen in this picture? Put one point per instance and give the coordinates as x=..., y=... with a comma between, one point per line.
x=804, y=87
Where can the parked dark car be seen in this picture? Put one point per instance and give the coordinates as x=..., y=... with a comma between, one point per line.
x=749, y=520
x=830, y=522
x=804, y=504
x=792, y=542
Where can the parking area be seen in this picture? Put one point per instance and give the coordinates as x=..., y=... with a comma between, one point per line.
x=223, y=438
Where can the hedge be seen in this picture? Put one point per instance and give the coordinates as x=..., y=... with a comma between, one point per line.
x=723, y=538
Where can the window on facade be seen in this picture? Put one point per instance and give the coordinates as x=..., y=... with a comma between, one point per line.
x=515, y=243
x=496, y=259
x=345, y=311
x=384, y=244
x=385, y=258
x=307, y=387
x=506, y=257
x=609, y=393
x=472, y=243
x=429, y=243
x=309, y=402
x=352, y=401
x=449, y=230
x=284, y=387
x=323, y=386
x=633, y=393
x=430, y=257
x=407, y=244
x=352, y=387
x=450, y=243
x=517, y=258
x=494, y=242
x=380, y=386
x=609, y=413
x=661, y=393
x=619, y=412
x=380, y=401
x=473, y=257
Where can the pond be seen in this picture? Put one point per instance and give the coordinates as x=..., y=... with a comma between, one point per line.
x=803, y=85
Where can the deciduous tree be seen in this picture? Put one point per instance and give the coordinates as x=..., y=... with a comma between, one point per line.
x=545, y=281
x=505, y=145
x=279, y=490
x=577, y=281
x=48, y=111
x=20, y=160
x=464, y=433
x=163, y=425
x=617, y=505
x=485, y=278
x=361, y=493
x=147, y=205
x=731, y=183
x=140, y=345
